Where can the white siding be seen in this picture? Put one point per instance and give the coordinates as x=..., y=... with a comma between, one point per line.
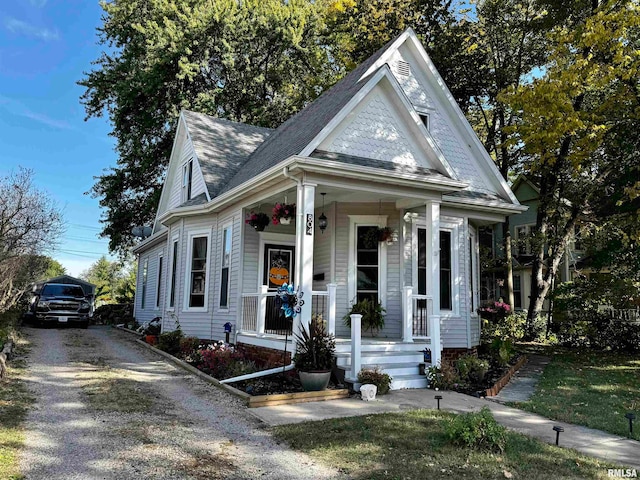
x=149, y=311
x=322, y=249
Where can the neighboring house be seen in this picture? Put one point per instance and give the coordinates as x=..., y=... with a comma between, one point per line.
x=88, y=288
x=386, y=146
x=522, y=227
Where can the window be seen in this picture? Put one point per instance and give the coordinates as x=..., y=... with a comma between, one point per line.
x=446, y=302
x=145, y=271
x=198, y=272
x=159, y=282
x=517, y=291
x=523, y=240
x=367, y=263
x=174, y=265
x=425, y=119
x=187, y=177
x=422, y=261
x=226, y=262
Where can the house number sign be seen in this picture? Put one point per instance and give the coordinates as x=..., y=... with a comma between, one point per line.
x=309, y=224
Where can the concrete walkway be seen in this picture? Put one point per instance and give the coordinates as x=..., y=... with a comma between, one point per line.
x=523, y=384
x=591, y=442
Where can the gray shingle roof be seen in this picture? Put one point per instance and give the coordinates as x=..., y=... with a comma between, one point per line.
x=383, y=164
x=222, y=147
x=297, y=132
x=197, y=200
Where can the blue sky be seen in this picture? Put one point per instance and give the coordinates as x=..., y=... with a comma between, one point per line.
x=45, y=46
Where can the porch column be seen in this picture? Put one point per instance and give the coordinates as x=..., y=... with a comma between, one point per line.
x=331, y=308
x=305, y=231
x=433, y=277
x=356, y=347
x=407, y=322
x=262, y=309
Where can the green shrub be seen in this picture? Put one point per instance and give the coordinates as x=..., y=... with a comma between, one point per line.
x=502, y=351
x=443, y=377
x=372, y=315
x=314, y=347
x=472, y=369
x=599, y=331
x=375, y=377
x=170, y=342
x=478, y=431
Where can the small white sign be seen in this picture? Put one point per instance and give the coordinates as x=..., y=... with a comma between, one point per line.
x=62, y=319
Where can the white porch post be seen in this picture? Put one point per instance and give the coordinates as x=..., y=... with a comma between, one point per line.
x=356, y=347
x=262, y=309
x=433, y=278
x=305, y=231
x=331, y=307
x=407, y=323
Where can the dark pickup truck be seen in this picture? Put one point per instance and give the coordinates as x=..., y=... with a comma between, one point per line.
x=59, y=303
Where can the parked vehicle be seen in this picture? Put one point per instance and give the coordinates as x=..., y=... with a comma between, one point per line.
x=59, y=303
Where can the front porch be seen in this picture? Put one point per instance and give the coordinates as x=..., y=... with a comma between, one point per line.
x=264, y=324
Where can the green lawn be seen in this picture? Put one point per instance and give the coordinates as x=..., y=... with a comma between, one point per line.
x=590, y=388
x=413, y=445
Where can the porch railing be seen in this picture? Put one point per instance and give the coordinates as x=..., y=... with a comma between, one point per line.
x=261, y=314
x=422, y=308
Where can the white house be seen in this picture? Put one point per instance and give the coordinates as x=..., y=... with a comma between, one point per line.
x=386, y=146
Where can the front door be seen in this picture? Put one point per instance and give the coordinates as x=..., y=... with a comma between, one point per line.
x=279, y=265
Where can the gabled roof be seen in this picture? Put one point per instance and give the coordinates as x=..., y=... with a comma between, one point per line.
x=221, y=146
x=297, y=132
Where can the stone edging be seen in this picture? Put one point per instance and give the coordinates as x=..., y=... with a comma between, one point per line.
x=500, y=384
x=5, y=355
x=252, y=401
x=124, y=329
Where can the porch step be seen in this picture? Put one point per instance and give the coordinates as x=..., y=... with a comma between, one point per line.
x=344, y=346
x=393, y=369
x=381, y=358
x=409, y=381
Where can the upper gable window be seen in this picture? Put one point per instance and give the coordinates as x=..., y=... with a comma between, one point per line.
x=187, y=178
x=424, y=117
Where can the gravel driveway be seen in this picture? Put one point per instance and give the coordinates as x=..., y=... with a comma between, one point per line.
x=108, y=409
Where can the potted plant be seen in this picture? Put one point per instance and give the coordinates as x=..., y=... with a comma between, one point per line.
x=378, y=234
x=314, y=355
x=283, y=213
x=257, y=220
x=372, y=315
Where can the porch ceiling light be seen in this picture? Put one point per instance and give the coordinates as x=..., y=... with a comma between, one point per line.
x=322, y=220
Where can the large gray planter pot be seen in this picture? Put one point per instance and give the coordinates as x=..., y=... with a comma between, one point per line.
x=314, y=381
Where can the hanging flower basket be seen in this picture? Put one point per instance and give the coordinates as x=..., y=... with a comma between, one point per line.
x=283, y=213
x=257, y=220
x=385, y=234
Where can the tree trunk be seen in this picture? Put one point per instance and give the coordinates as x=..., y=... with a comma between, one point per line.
x=506, y=229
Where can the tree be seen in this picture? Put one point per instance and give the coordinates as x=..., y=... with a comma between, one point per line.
x=106, y=276
x=569, y=127
x=30, y=224
x=54, y=269
x=256, y=61
x=126, y=287
x=510, y=38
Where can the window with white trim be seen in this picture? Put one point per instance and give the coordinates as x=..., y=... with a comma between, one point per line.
x=187, y=179
x=227, y=234
x=517, y=291
x=367, y=263
x=159, y=284
x=145, y=272
x=174, y=268
x=198, y=272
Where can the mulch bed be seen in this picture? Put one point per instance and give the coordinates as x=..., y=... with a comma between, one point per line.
x=274, y=384
x=494, y=376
